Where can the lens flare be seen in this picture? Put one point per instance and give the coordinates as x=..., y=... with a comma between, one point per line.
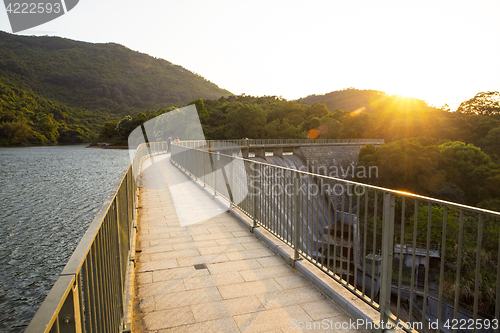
x=357, y=111
x=313, y=134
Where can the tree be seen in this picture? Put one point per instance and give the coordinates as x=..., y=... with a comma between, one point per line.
x=139, y=119
x=406, y=165
x=125, y=126
x=330, y=128
x=108, y=131
x=468, y=167
x=491, y=142
x=310, y=123
x=281, y=130
x=200, y=108
x=15, y=133
x=246, y=121
x=317, y=110
x=294, y=112
x=462, y=158
x=76, y=134
x=486, y=103
x=47, y=126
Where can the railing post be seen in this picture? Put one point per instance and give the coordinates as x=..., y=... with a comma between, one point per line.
x=255, y=175
x=387, y=256
x=70, y=319
x=188, y=164
x=215, y=172
x=296, y=217
x=230, y=182
x=196, y=169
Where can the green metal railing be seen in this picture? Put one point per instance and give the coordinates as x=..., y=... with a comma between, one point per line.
x=90, y=294
x=350, y=231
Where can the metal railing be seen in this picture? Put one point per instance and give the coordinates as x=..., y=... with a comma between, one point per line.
x=420, y=249
x=348, y=230
x=89, y=295
x=215, y=144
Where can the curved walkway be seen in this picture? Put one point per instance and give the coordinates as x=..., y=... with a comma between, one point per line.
x=212, y=274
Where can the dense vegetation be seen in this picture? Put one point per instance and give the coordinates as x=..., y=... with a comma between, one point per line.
x=273, y=117
x=347, y=99
x=448, y=155
x=452, y=156
x=449, y=170
x=28, y=118
x=85, y=85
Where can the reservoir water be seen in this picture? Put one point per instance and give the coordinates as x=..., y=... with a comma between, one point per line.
x=48, y=197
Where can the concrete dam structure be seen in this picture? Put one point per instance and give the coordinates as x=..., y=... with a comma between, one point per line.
x=330, y=159
x=333, y=227
x=337, y=161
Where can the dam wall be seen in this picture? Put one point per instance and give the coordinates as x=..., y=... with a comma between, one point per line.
x=331, y=160
x=337, y=160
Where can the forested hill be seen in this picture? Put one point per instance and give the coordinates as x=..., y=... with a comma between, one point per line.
x=93, y=83
x=368, y=100
x=94, y=76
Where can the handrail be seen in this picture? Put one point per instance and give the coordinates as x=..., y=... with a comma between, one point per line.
x=367, y=219
x=89, y=295
x=214, y=144
x=354, y=183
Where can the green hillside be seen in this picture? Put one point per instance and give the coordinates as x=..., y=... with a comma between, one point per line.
x=26, y=118
x=93, y=83
x=368, y=100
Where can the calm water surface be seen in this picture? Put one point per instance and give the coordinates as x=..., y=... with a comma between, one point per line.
x=48, y=197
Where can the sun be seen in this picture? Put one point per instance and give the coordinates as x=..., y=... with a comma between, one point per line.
x=400, y=103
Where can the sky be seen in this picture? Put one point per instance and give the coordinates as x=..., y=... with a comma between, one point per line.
x=439, y=51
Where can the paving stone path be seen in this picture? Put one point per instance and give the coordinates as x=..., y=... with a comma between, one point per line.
x=199, y=270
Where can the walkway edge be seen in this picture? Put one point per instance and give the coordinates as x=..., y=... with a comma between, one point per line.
x=129, y=287
x=338, y=293
x=331, y=288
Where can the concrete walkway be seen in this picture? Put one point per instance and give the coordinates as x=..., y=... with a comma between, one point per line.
x=213, y=275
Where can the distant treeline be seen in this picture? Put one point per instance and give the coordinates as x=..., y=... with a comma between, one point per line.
x=26, y=118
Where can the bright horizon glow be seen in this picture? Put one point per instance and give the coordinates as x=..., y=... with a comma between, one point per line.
x=440, y=52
